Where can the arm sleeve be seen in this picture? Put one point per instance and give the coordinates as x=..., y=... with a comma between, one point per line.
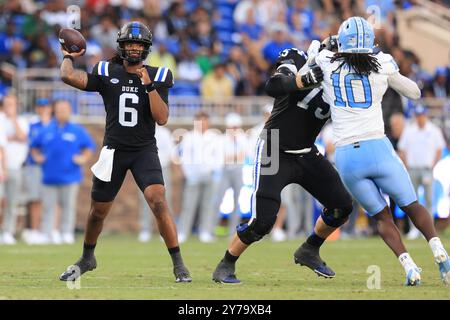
x=164, y=94
x=94, y=82
x=281, y=83
x=404, y=86
x=163, y=81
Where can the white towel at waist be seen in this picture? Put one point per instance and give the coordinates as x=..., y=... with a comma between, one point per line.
x=102, y=169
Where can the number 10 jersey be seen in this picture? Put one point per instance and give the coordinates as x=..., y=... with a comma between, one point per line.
x=129, y=122
x=355, y=100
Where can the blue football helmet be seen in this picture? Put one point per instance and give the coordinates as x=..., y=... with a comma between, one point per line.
x=356, y=36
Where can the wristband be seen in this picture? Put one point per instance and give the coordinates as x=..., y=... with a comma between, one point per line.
x=68, y=56
x=150, y=87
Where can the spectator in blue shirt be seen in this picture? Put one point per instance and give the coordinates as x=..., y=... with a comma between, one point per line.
x=33, y=175
x=278, y=43
x=306, y=15
x=61, y=149
x=250, y=27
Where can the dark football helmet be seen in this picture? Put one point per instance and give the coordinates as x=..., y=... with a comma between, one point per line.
x=292, y=56
x=134, y=32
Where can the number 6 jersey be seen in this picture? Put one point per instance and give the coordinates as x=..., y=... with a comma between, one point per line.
x=129, y=122
x=355, y=100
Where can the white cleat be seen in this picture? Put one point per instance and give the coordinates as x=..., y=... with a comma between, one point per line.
x=440, y=255
x=144, y=236
x=8, y=239
x=413, y=277
x=442, y=260
x=413, y=234
x=67, y=238
x=278, y=235
x=206, y=237
x=56, y=237
x=182, y=238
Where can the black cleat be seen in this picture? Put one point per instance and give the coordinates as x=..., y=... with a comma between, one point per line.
x=224, y=273
x=76, y=270
x=182, y=274
x=308, y=256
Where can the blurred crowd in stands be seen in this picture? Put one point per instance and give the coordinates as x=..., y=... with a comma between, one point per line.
x=230, y=43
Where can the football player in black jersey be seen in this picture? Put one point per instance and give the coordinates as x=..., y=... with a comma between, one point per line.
x=288, y=141
x=135, y=97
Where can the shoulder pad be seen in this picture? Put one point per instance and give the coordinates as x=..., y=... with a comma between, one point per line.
x=387, y=63
x=161, y=75
x=323, y=57
x=292, y=56
x=102, y=68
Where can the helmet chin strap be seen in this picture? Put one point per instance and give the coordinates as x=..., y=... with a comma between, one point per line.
x=131, y=60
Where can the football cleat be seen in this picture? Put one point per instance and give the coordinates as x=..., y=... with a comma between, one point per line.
x=74, y=271
x=308, y=256
x=413, y=277
x=224, y=273
x=443, y=263
x=182, y=274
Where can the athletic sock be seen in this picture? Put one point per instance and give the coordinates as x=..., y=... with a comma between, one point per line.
x=435, y=243
x=437, y=248
x=314, y=240
x=175, y=254
x=88, y=250
x=229, y=258
x=406, y=261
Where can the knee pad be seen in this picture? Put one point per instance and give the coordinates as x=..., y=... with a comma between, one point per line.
x=255, y=231
x=336, y=217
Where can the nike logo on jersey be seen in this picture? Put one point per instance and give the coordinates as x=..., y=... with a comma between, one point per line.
x=114, y=81
x=129, y=89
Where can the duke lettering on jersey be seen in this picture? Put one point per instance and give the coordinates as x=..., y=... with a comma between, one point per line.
x=129, y=122
x=129, y=89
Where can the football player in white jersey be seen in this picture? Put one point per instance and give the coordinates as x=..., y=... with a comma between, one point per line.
x=355, y=80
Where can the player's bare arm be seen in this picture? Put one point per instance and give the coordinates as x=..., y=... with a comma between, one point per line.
x=37, y=156
x=83, y=157
x=158, y=108
x=73, y=77
x=19, y=135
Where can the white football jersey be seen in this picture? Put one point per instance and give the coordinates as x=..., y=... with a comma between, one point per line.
x=355, y=100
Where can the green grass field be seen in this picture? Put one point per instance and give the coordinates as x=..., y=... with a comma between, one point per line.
x=128, y=269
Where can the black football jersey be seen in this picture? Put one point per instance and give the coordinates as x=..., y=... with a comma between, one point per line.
x=129, y=122
x=299, y=115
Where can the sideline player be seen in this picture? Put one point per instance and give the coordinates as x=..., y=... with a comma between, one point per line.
x=135, y=97
x=297, y=116
x=355, y=80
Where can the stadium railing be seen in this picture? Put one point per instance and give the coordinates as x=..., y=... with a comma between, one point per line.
x=88, y=107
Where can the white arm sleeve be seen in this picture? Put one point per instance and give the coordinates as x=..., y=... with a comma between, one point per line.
x=404, y=86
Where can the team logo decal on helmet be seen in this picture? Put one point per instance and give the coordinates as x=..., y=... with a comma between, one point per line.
x=134, y=32
x=356, y=36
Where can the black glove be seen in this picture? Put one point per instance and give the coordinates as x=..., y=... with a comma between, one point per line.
x=329, y=43
x=313, y=77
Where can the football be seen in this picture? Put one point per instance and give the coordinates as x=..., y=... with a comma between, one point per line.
x=71, y=40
